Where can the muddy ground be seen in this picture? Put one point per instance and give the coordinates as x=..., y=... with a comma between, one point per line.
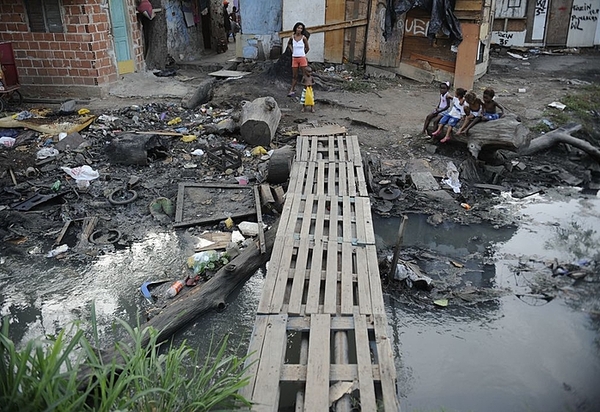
x=386, y=115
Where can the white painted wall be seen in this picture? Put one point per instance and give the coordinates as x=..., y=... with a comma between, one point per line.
x=311, y=13
x=584, y=23
x=509, y=38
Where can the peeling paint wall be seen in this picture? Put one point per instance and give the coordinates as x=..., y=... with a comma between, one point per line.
x=184, y=34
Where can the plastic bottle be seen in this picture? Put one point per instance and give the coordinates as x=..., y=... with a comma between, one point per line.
x=174, y=289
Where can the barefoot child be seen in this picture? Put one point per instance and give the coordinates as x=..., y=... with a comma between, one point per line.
x=473, y=108
x=454, y=115
x=444, y=103
x=489, y=109
x=308, y=97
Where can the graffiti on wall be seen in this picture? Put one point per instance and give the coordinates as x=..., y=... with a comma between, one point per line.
x=581, y=13
x=416, y=27
x=539, y=20
x=508, y=38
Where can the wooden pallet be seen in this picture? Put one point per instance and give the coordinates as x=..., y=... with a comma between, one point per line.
x=333, y=148
x=328, y=178
x=320, y=335
x=323, y=358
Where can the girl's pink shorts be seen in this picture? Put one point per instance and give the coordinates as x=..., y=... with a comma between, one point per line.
x=299, y=62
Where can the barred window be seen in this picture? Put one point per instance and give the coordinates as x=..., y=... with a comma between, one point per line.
x=44, y=16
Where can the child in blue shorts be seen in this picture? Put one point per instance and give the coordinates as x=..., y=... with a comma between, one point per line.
x=453, y=116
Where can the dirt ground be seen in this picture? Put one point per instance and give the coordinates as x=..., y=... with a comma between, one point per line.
x=386, y=115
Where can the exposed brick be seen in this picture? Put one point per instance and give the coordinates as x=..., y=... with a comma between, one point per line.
x=44, y=45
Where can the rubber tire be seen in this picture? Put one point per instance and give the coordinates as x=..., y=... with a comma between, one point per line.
x=15, y=98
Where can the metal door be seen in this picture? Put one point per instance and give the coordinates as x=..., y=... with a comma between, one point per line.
x=121, y=36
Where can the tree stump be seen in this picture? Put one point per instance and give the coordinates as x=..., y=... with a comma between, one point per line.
x=280, y=165
x=259, y=120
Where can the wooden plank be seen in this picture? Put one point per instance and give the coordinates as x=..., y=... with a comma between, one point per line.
x=259, y=219
x=309, y=181
x=363, y=360
x=331, y=179
x=302, y=323
x=264, y=305
x=351, y=180
x=342, y=178
x=314, y=282
x=321, y=178
x=331, y=148
x=254, y=354
x=343, y=156
x=347, y=220
x=464, y=73
x=387, y=368
x=364, y=284
x=266, y=388
x=317, y=369
x=337, y=372
x=283, y=263
x=331, y=278
x=266, y=196
x=328, y=27
x=297, y=174
x=323, y=130
x=361, y=232
x=180, y=195
x=374, y=280
x=354, y=155
x=314, y=149
x=335, y=12
x=228, y=73
x=347, y=297
x=299, y=280
x=362, y=181
x=365, y=220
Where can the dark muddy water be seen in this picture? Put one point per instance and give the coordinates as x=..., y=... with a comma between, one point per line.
x=505, y=353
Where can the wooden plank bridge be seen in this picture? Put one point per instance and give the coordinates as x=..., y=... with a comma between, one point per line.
x=320, y=337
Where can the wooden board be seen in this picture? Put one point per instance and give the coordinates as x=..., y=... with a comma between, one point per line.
x=228, y=73
x=202, y=203
x=329, y=148
x=317, y=370
x=334, y=40
x=265, y=395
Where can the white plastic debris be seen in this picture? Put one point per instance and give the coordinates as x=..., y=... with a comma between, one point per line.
x=82, y=175
x=58, y=251
x=7, y=141
x=452, y=180
x=557, y=105
x=46, y=152
x=249, y=228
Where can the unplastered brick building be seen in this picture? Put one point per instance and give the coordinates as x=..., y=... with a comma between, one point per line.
x=71, y=47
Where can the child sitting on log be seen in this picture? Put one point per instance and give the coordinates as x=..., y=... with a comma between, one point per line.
x=442, y=107
x=490, y=109
x=473, y=108
x=454, y=115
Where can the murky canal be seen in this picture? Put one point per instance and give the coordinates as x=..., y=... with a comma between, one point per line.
x=511, y=352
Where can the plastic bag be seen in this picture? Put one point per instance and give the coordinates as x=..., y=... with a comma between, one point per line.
x=81, y=173
x=310, y=97
x=201, y=261
x=452, y=180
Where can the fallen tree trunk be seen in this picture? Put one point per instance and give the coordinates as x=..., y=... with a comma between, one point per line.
x=212, y=295
x=508, y=133
x=561, y=135
x=259, y=120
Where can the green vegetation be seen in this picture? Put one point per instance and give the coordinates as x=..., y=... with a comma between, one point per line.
x=46, y=375
x=582, y=107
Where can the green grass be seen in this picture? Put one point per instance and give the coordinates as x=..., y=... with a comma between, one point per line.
x=582, y=107
x=45, y=375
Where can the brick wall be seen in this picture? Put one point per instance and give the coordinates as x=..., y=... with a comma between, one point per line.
x=80, y=62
